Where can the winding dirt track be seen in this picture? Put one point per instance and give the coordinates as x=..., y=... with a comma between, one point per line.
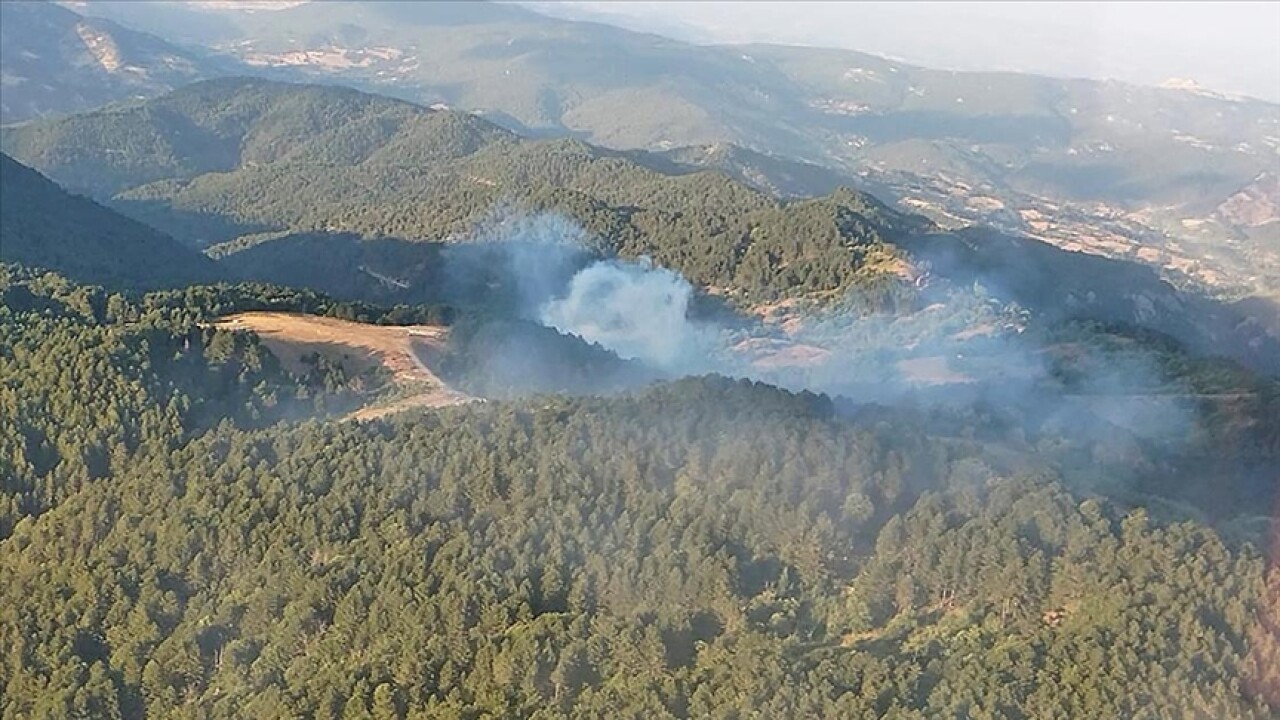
x=357, y=346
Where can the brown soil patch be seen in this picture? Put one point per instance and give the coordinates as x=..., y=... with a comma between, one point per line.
x=771, y=354
x=932, y=370
x=358, y=346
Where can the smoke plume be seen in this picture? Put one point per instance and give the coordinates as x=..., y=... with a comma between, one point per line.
x=635, y=309
x=962, y=347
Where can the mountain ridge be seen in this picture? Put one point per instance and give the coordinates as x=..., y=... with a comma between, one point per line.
x=56, y=61
x=1125, y=171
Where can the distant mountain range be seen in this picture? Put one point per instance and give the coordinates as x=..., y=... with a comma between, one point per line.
x=1176, y=178
x=54, y=61
x=1075, y=139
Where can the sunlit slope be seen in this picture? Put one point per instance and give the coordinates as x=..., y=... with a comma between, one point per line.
x=358, y=347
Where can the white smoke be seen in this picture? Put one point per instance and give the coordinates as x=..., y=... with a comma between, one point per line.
x=637, y=310
x=966, y=359
x=954, y=352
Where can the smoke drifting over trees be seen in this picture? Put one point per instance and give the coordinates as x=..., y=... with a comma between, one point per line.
x=954, y=336
x=632, y=308
x=956, y=351
x=701, y=548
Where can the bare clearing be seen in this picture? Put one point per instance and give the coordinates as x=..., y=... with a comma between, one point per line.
x=771, y=354
x=931, y=370
x=358, y=347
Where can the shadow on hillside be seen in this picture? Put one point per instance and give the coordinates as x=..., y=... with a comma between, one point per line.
x=495, y=278
x=488, y=277
x=197, y=229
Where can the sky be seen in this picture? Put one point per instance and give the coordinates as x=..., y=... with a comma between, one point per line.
x=1230, y=47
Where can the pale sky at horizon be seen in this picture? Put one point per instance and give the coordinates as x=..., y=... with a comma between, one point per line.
x=1231, y=47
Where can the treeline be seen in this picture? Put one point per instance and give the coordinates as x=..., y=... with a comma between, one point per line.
x=24, y=289
x=205, y=303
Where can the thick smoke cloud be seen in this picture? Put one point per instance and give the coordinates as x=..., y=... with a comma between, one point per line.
x=635, y=309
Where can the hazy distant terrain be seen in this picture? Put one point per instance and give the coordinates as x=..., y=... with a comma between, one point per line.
x=1230, y=48
x=53, y=61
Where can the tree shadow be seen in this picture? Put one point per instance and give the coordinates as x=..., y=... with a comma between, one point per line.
x=195, y=228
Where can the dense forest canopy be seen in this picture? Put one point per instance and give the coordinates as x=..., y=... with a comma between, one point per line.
x=186, y=536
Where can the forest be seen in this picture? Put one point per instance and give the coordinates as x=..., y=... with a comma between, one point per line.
x=359, y=196
x=186, y=535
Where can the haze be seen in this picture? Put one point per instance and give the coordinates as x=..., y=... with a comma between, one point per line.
x=1228, y=47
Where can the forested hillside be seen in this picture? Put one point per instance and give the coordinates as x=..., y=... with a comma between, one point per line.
x=707, y=548
x=222, y=125
x=43, y=226
x=227, y=158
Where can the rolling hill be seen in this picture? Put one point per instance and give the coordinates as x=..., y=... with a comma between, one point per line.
x=1073, y=139
x=233, y=157
x=362, y=195
x=1167, y=177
